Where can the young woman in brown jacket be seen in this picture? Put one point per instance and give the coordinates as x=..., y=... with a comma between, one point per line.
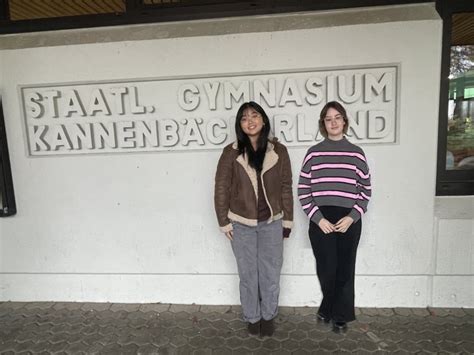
x=254, y=206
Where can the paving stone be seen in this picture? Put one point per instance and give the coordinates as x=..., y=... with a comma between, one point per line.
x=348, y=344
x=444, y=312
x=295, y=318
x=428, y=345
x=369, y=311
x=403, y=311
x=95, y=307
x=234, y=342
x=96, y=329
x=39, y=346
x=178, y=340
x=367, y=345
x=217, y=309
x=167, y=350
x=39, y=305
x=230, y=316
x=409, y=346
x=92, y=338
x=304, y=311
x=236, y=325
x=468, y=311
x=154, y=307
x=286, y=326
x=215, y=342
x=309, y=345
x=270, y=344
x=242, y=333
x=75, y=338
x=7, y=345
x=304, y=326
x=310, y=319
x=189, y=332
x=385, y=312
x=219, y=324
x=236, y=309
x=188, y=308
x=129, y=349
x=76, y=348
x=212, y=316
x=286, y=310
x=316, y=334
x=392, y=336
x=58, y=347
x=467, y=346
x=111, y=349
x=70, y=306
x=24, y=336
x=262, y=351
x=328, y=345
x=220, y=351
x=298, y=335
x=364, y=318
x=281, y=352
x=13, y=306
x=281, y=334
x=148, y=349
x=447, y=346
x=184, y=323
x=420, y=312
x=109, y=339
x=252, y=344
x=127, y=307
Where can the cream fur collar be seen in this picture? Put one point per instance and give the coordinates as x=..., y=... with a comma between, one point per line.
x=270, y=160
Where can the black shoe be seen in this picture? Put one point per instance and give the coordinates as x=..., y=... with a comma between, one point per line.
x=339, y=327
x=254, y=328
x=267, y=328
x=322, y=318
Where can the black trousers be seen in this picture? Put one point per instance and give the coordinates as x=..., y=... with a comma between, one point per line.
x=335, y=255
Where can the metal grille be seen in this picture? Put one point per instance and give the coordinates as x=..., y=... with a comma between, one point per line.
x=463, y=29
x=37, y=9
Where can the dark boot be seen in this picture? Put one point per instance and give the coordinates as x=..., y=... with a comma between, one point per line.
x=339, y=327
x=321, y=318
x=267, y=328
x=254, y=328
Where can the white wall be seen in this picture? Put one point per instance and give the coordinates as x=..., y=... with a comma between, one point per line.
x=140, y=227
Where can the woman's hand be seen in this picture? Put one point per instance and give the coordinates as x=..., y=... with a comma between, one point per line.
x=230, y=235
x=343, y=224
x=326, y=226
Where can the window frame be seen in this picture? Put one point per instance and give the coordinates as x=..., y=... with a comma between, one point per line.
x=7, y=194
x=136, y=12
x=449, y=182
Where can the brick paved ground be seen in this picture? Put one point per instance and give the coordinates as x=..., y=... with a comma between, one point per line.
x=106, y=328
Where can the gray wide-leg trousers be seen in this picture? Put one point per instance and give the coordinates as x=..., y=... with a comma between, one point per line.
x=259, y=254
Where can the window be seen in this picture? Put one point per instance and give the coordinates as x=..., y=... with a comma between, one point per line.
x=460, y=130
x=7, y=197
x=456, y=126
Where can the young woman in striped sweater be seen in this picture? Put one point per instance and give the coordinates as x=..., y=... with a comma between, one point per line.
x=334, y=190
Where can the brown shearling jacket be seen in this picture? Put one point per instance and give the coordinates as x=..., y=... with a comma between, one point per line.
x=235, y=193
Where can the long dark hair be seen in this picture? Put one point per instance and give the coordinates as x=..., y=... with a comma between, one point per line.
x=255, y=157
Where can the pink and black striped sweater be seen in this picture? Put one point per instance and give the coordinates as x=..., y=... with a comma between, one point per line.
x=334, y=173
